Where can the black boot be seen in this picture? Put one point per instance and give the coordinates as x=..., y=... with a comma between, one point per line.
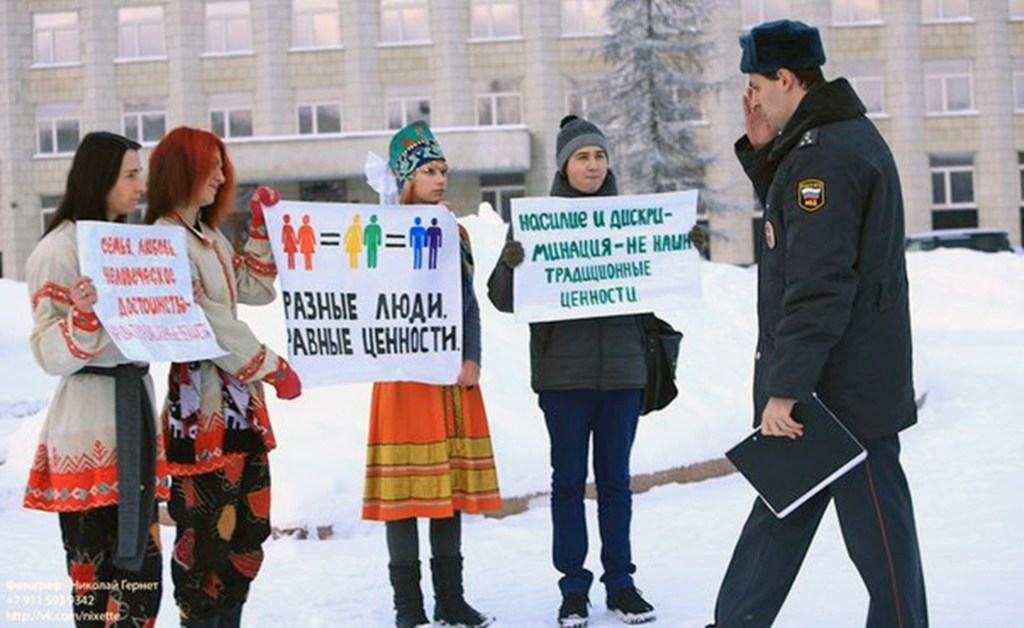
x=230, y=617
x=451, y=608
x=405, y=580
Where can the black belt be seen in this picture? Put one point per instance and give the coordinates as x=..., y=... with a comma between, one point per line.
x=136, y=460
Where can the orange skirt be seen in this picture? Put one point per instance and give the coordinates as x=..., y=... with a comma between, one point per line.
x=429, y=453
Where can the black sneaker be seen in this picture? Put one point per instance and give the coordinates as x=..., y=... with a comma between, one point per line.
x=630, y=607
x=573, y=611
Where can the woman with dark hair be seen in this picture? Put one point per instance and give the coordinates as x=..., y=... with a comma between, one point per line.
x=95, y=440
x=216, y=427
x=429, y=452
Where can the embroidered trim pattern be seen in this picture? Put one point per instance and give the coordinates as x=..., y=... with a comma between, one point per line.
x=258, y=267
x=69, y=341
x=253, y=366
x=51, y=290
x=86, y=321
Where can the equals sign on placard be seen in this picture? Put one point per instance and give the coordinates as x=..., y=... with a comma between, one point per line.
x=330, y=238
x=394, y=240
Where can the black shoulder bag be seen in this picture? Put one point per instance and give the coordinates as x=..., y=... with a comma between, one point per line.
x=661, y=353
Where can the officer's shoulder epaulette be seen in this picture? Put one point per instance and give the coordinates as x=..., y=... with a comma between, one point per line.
x=809, y=138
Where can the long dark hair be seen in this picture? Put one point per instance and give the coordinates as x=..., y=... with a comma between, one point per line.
x=94, y=171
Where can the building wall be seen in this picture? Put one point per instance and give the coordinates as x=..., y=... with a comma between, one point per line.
x=360, y=72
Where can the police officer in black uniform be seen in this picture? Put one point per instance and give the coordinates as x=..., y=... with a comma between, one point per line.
x=833, y=319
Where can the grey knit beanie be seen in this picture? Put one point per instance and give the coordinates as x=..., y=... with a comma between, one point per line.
x=575, y=133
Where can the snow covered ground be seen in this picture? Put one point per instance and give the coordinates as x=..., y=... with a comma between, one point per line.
x=963, y=460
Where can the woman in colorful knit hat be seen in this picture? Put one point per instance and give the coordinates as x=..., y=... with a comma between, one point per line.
x=216, y=426
x=100, y=432
x=429, y=452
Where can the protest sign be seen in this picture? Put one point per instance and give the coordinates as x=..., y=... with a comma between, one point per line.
x=604, y=255
x=370, y=292
x=144, y=288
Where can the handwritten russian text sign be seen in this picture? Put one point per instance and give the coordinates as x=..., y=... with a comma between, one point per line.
x=607, y=255
x=144, y=284
x=370, y=292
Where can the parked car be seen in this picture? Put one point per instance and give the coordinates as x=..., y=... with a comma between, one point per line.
x=978, y=239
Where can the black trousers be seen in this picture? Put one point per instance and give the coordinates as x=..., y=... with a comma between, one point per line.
x=877, y=520
x=102, y=594
x=222, y=519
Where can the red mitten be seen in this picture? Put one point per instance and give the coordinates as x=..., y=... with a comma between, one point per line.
x=285, y=381
x=263, y=197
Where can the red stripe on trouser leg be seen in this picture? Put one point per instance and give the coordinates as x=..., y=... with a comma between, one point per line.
x=885, y=545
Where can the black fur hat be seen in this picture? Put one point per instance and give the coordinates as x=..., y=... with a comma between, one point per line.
x=781, y=44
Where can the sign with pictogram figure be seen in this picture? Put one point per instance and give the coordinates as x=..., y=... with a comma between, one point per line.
x=377, y=295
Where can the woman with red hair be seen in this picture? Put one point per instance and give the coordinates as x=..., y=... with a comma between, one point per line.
x=216, y=428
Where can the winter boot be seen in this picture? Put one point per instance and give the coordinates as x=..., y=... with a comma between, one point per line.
x=450, y=608
x=629, y=606
x=405, y=580
x=230, y=617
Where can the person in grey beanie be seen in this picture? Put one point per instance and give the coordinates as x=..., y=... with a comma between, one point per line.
x=589, y=376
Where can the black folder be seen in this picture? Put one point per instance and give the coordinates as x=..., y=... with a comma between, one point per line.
x=786, y=472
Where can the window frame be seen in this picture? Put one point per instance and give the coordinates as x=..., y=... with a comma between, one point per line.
x=400, y=7
x=944, y=77
x=762, y=16
x=52, y=31
x=947, y=171
x=51, y=113
x=849, y=19
x=225, y=19
x=137, y=25
x=579, y=29
x=137, y=111
x=941, y=18
x=315, y=106
x=489, y=6
x=313, y=13
x=404, y=101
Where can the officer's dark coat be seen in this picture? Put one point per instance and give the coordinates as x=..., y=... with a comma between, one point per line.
x=832, y=283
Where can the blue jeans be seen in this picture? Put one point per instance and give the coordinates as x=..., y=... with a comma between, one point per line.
x=572, y=416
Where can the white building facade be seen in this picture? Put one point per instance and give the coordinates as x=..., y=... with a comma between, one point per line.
x=302, y=89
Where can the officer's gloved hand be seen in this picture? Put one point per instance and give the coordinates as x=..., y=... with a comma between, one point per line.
x=698, y=238
x=512, y=254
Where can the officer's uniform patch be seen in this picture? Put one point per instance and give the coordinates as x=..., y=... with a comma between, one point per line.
x=810, y=195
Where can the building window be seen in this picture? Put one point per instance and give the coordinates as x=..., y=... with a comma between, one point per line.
x=498, y=103
x=315, y=24
x=846, y=12
x=953, y=203
x=584, y=17
x=140, y=32
x=48, y=204
x=404, y=21
x=228, y=27
x=403, y=110
x=319, y=118
x=1017, y=9
x=144, y=122
x=500, y=189
x=57, y=128
x=866, y=79
x=945, y=10
x=583, y=98
x=231, y=115
x=754, y=12
x=494, y=18
x=55, y=38
x=948, y=86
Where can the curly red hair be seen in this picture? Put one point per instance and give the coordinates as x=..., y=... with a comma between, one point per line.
x=179, y=167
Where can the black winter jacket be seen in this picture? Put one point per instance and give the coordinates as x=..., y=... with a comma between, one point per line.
x=833, y=311
x=603, y=353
